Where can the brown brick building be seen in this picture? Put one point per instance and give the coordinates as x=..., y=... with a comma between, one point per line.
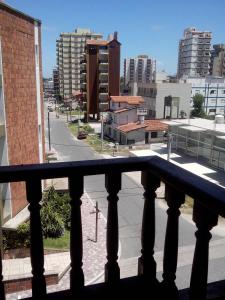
x=21, y=103
x=100, y=74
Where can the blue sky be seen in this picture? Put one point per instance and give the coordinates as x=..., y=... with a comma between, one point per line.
x=144, y=26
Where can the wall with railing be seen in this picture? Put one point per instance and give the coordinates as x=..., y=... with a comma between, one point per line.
x=209, y=203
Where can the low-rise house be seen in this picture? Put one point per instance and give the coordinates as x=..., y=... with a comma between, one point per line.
x=126, y=122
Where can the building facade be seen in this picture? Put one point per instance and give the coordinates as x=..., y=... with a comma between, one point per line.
x=69, y=50
x=138, y=69
x=21, y=101
x=217, y=65
x=48, y=87
x=100, y=74
x=55, y=77
x=126, y=124
x=194, y=53
x=165, y=100
x=213, y=90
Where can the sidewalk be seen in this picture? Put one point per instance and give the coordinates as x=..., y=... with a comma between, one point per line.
x=94, y=254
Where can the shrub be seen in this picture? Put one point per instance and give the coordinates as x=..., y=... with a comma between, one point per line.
x=19, y=238
x=87, y=128
x=52, y=223
x=59, y=204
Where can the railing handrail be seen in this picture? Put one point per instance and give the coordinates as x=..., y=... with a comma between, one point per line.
x=208, y=194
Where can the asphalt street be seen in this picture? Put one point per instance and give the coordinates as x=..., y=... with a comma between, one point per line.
x=130, y=205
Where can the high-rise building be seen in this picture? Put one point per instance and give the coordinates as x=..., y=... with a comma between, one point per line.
x=217, y=66
x=138, y=69
x=100, y=74
x=55, y=77
x=69, y=49
x=21, y=103
x=194, y=53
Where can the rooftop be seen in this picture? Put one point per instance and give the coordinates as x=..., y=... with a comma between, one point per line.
x=97, y=42
x=12, y=10
x=155, y=125
x=132, y=100
x=130, y=127
x=198, y=122
x=148, y=125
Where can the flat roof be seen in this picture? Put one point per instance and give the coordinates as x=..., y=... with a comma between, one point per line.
x=198, y=122
x=193, y=128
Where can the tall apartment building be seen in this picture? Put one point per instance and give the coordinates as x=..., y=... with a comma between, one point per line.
x=100, y=73
x=194, y=53
x=69, y=49
x=138, y=69
x=55, y=76
x=21, y=103
x=217, y=66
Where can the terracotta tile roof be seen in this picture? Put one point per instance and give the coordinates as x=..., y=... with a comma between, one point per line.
x=97, y=42
x=149, y=125
x=131, y=127
x=132, y=100
x=76, y=93
x=155, y=125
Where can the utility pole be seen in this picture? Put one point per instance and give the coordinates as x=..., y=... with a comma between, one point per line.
x=49, y=134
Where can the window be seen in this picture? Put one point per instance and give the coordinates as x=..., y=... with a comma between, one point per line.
x=154, y=134
x=212, y=92
x=222, y=91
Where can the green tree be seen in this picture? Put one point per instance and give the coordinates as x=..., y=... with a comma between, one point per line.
x=198, y=111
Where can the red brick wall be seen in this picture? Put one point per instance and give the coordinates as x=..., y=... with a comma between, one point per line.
x=18, y=57
x=42, y=99
x=114, y=68
x=92, y=80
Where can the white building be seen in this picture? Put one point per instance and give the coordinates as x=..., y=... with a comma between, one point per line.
x=213, y=90
x=194, y=53
x=138, y=69
x=126, y=122
x=69, y=51
x=165, y=100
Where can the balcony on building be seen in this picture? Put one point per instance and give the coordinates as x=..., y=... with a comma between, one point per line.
x=103, y=97
x=103, y=66
x=209, y=203
x=103, y=83
x=103, y=55
x=103, y=75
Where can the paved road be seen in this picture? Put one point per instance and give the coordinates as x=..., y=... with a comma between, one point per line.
x=130, y=205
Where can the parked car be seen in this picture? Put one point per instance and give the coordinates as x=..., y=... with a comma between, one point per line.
x=82, y=135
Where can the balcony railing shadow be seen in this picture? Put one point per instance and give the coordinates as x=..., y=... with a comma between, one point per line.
x=209, y=203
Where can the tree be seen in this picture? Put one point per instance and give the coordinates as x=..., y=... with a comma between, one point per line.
x=198, y=110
